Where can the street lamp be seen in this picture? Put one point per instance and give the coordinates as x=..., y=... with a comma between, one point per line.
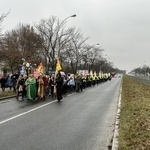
x=62, y=24
x=74, y=15
x=67, y=18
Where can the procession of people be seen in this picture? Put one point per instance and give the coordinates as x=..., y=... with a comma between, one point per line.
x=37, y=86
x=44, y=86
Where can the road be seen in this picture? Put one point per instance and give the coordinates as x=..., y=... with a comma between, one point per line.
x=81, y=121
x=144, y=80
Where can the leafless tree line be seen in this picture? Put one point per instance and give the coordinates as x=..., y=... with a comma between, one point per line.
x=141, y=71
x=45, y=42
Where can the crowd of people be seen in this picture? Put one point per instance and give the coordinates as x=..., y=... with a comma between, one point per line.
x=37, y=89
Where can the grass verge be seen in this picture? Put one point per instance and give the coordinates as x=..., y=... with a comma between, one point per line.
x=134, y=127
x=6, y=93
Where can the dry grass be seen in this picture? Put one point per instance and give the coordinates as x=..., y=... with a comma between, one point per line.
x=6, y=93
x=134, y=128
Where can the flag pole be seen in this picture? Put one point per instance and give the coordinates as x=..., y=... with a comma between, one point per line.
x=58, y=68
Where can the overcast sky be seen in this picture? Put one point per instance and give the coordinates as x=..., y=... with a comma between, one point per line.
x=121, y=27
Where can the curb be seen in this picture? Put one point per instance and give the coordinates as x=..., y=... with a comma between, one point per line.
x=115, y=142
x=3, y=98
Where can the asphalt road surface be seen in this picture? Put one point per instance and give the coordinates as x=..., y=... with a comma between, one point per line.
x=81, y=121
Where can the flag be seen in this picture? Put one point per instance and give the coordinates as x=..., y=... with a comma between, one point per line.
x=22, y=71
x=91, y=73
x=58, y=66
x=40, y=68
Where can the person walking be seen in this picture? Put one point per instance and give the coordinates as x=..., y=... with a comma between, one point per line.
x=14, y=83
x=3, y=83
x=9, y=82
x=78, y=83
x=30, y=88
x=40, y=88
x=45, y=86
x=21, y=88
x=71, y=84
x=51, y=85
x=59, y=86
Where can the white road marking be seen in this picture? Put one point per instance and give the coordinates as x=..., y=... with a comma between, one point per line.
x=71, y=94
x=4, y=121
x=9, y=119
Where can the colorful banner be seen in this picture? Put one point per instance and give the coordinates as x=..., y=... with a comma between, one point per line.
x=83, y=72
x=40, y=68
x=37, y=72
x=58, y=66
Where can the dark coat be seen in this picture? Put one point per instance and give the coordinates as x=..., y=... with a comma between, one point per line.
x=3, y=82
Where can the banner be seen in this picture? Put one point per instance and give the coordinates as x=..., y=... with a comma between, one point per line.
x=40, y=68
x=58, y=66
x=38, y=71
x=83, y=72
x=22, y=71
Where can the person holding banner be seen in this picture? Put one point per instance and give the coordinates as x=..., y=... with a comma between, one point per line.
x=59, y=81
x=59, y=86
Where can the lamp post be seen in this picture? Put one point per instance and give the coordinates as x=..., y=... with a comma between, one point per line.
x=67, y=18
x=62, y=24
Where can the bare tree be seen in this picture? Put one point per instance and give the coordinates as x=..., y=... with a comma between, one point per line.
x=2, y=17
x=9, y=53
x=92, y=57
x=30, y=43
x=74, y=50
x=55, y=36
x=20, y=43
